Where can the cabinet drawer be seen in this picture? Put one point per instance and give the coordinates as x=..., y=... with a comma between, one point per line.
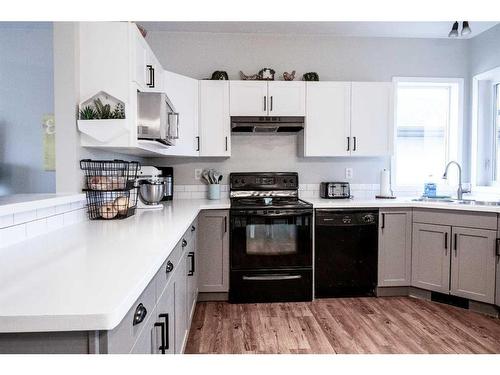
x=122, y=338
x=484, y=220
x=167, y=269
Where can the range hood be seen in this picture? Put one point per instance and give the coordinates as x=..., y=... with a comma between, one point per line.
x=266, y=124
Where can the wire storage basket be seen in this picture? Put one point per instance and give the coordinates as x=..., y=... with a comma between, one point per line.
x=110, y=188
x=109, y=174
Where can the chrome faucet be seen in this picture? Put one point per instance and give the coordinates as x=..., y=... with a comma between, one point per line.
x=460, y=191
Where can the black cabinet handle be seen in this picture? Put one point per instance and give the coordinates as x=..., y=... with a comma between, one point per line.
x=497, y=247
x=169, y=267
x=191, y=271
x=271, y=109
x=140, y=314
x=226, y=143
x=348, y=143
x=383, y=221
x=354, y=139
x=150, y=71
x=162, y=326
x=455, y=243
x=198, y=143
x=193, y=228
x=446, y=240
x=225, y=224
x=265, y=103
x=166, y=345
x=152, y=77
x=184, y=243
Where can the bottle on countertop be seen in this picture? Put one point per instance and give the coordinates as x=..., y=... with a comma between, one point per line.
x=430, y=187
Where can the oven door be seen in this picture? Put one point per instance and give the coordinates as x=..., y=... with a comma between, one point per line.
x=267, y=239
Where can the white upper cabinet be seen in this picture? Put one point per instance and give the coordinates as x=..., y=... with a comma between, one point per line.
x=215, y=125
x=147, y=72
x=371, y=118
x=248, y=98
x=272, y=98
x=183, y=92
x=328, y=119
x=286, y=98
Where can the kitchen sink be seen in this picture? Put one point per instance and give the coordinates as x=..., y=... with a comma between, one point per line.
x=456, y=201
x=438, y=200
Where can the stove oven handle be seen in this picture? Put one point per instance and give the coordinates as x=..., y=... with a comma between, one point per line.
x=285, y=214
x=272, y=277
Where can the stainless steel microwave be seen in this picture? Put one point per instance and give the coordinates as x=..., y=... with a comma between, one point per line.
x=157, y=119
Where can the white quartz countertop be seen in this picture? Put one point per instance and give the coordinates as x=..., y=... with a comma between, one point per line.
x=88, y=275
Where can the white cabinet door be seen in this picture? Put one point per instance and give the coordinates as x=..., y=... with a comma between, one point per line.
x=473, y=264
x=140, y=58
x=286, y=98
x=214, y=120
x=371, y=118
x=328, y=119
x=183, y=92
x=248, y=98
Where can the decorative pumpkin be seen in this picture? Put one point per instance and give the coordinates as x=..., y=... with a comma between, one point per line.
x=219, y=75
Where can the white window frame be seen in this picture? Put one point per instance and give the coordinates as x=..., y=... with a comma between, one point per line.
x=487, y=75
x=460, y=121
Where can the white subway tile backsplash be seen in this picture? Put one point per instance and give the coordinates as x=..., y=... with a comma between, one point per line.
x=182, y=195
x=12, y=235
x=179, y=188
x=62, y=208
x=23, y=217
x=191, y=188
x=198, y=195
x=6, y=221
x=55, y=222
x=36, y=228
x=78, y=205
x=45, y=212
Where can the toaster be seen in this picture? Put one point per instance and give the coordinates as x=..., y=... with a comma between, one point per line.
x=335, y=190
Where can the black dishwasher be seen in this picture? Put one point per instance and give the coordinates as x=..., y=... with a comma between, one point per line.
x=346, y=247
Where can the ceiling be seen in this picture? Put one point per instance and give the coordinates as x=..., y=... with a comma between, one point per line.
x=343, y=29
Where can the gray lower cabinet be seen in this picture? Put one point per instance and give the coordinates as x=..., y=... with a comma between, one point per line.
x=213, y=251
x=457, y=257
x=497, y=248
x=192, y=274
x=394, y=247
x=431, y=257
x=180, y=304
x=473, y=264
x=166, y=316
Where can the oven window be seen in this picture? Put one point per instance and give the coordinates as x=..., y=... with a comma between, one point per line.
x=274, y=238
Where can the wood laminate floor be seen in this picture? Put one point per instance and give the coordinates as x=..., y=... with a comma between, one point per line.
x=342, y=325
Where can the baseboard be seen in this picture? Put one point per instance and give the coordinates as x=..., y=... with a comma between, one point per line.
x=392, y=291
x=213, y=296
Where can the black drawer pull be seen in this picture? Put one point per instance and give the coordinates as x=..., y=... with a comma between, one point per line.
x=191, y=271
x=193, y=228
x=383, y=221
x=497, y=247
x=184, y=243
x=169, y=267
x=140, y=314
x=167, y=334
x=162, y=326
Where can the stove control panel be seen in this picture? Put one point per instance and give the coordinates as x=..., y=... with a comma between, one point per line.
x=264, y=181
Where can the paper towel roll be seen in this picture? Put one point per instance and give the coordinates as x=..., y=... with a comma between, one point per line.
x=385, y=183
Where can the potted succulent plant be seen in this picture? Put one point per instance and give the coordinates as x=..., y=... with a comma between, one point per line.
x=102, y=117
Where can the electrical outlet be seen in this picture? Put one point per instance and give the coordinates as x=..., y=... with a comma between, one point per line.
x=197, y=173
x=348, y=173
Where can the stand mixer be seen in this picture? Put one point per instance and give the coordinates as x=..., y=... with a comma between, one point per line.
x=151, y=188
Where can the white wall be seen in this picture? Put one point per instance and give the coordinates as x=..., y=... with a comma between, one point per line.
x=26, y=94
x=351, y=59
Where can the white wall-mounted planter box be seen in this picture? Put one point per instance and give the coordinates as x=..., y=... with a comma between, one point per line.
x=103, y=130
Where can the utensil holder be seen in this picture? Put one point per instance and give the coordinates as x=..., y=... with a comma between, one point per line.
x=214, y=191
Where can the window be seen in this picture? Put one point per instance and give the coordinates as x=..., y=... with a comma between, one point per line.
x=427, y=120
x=496, y=135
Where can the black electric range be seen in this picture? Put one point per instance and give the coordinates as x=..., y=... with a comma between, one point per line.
x=270, y=239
